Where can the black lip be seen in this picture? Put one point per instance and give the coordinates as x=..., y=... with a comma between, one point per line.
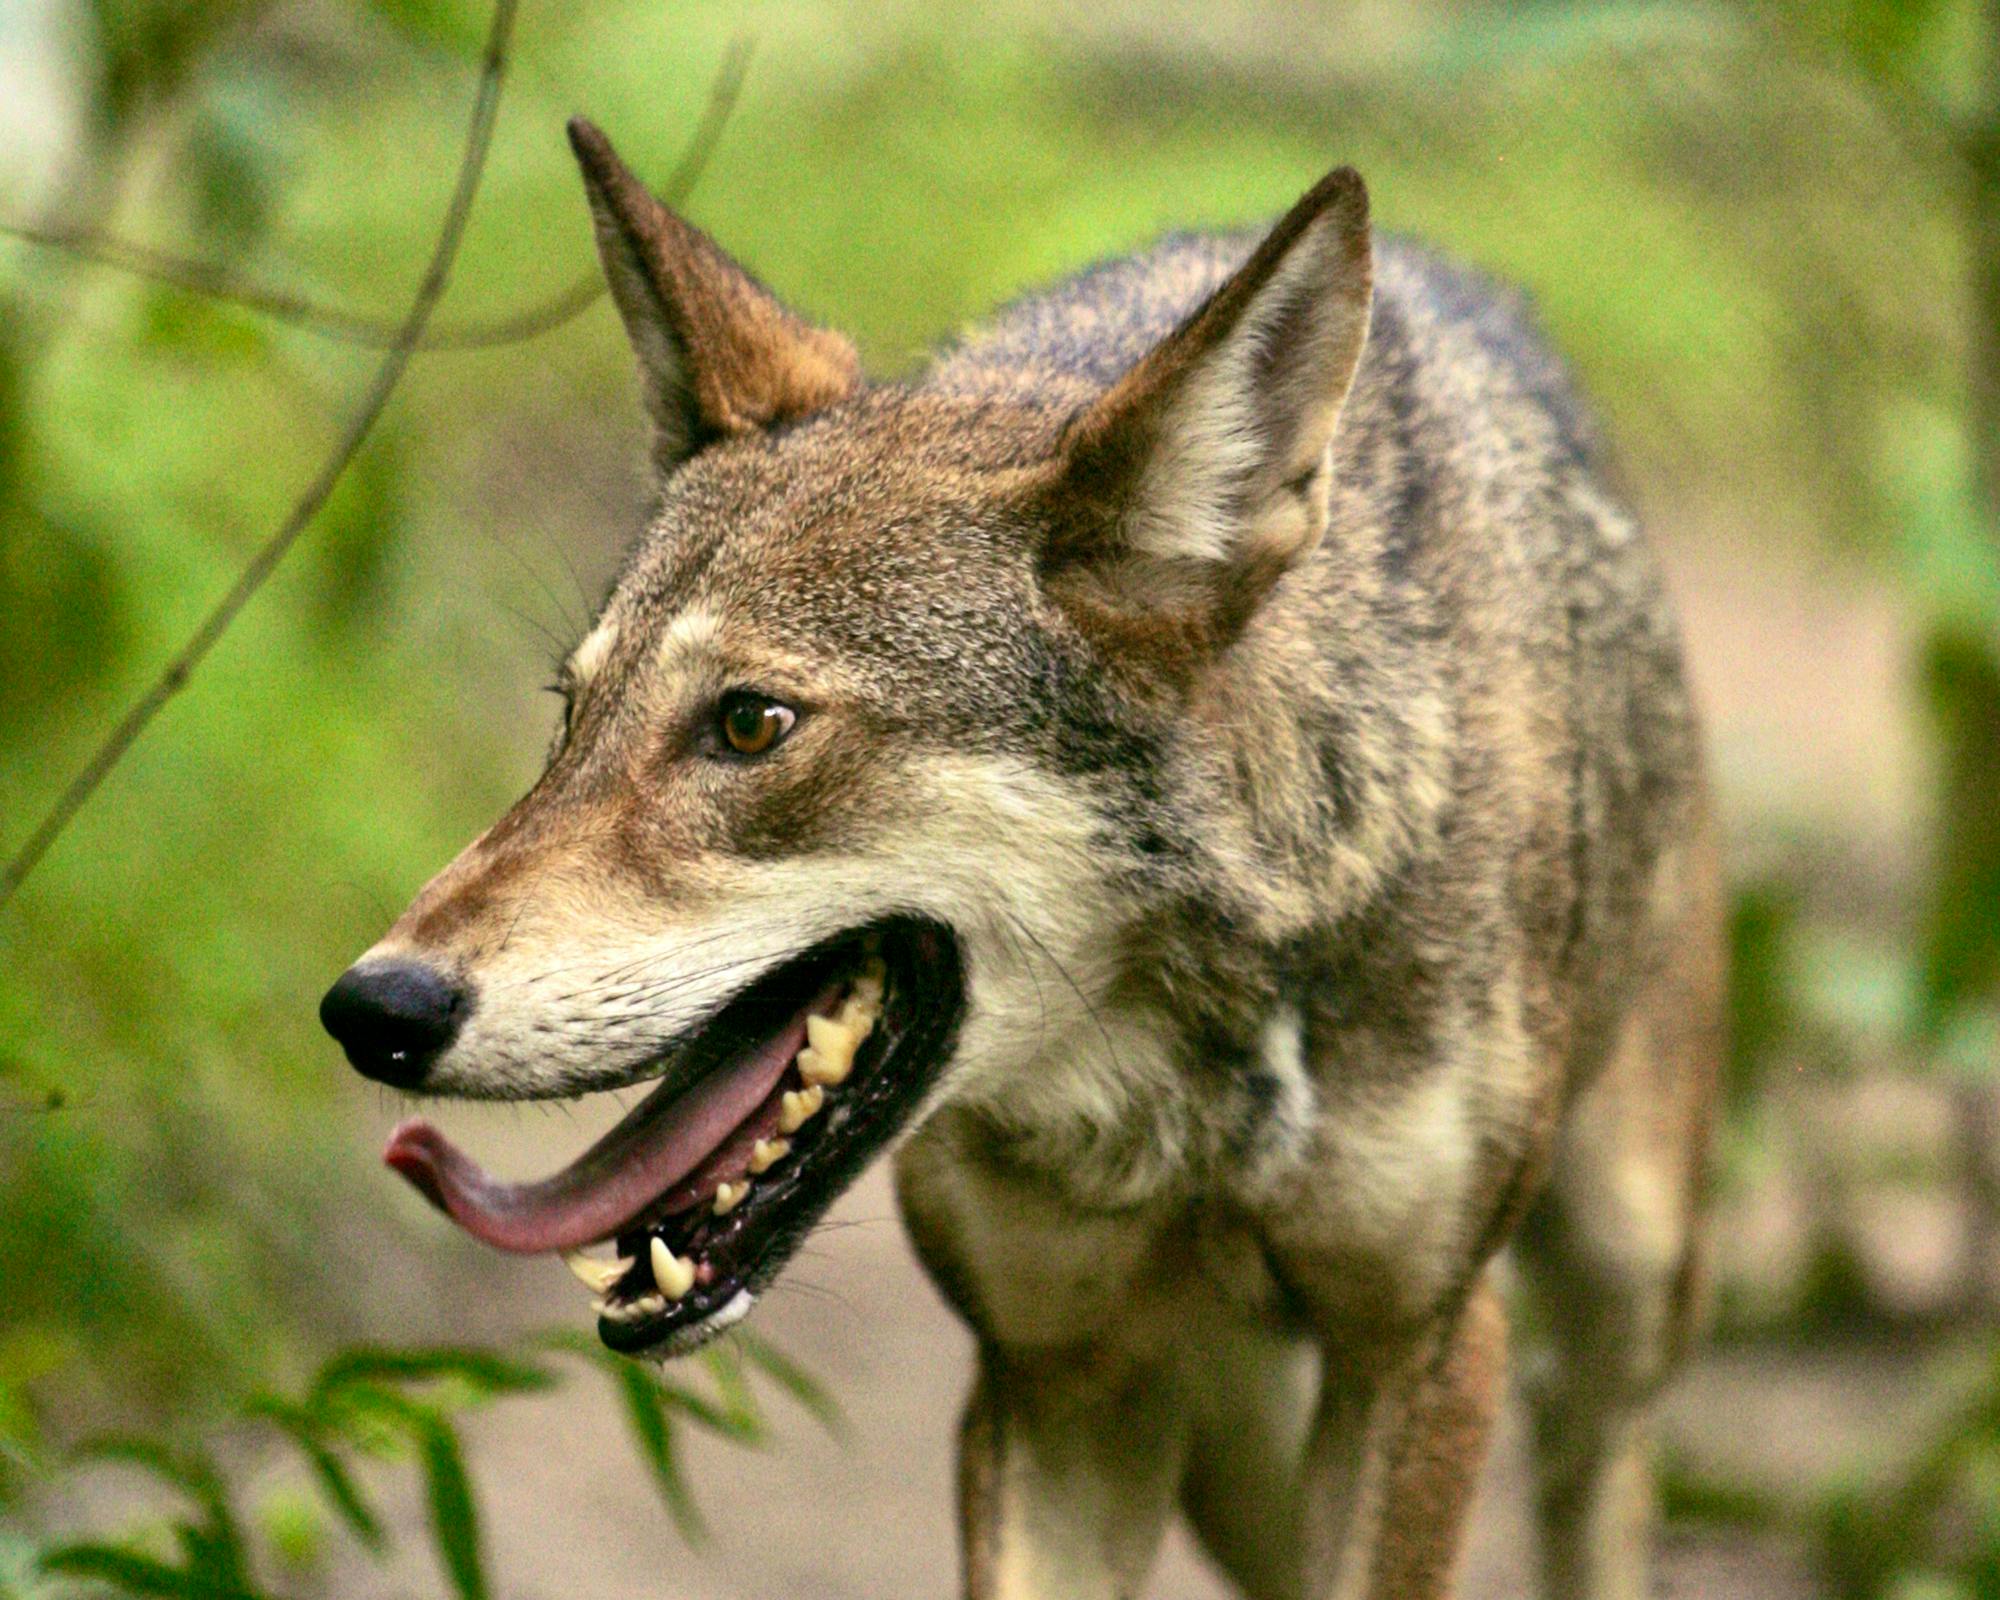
x=924, y=1004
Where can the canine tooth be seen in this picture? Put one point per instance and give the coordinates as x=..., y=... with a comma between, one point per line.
x=650, y=1305
x=767, y=1153
x=799, y=1106
x=674, y=1274
x=728, y=1196
x=596, y=1276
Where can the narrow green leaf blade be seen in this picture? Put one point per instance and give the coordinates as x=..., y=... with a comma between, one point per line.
x=806, y=1390
x=481, y=1370
x=454, y=1517
x=308, y=1431
x=130, y=1572
x=653, y=1429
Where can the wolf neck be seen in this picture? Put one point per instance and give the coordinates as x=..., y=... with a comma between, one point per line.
x=1269, y=811
x=1313, y=760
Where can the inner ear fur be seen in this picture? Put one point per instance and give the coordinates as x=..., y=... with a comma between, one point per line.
x=718, y=354
x=1199, y=478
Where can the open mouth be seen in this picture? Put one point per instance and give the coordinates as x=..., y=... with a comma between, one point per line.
x=771, y=1108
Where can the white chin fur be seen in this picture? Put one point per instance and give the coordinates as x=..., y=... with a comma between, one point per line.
x=686, y=1340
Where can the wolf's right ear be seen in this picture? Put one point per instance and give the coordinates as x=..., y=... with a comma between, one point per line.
x=718, y=354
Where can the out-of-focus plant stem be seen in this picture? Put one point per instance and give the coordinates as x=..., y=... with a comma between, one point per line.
x=1982, y=164
x=1967, y=774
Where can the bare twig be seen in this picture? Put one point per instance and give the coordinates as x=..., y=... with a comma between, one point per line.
x=478, y=139
x=214, y=282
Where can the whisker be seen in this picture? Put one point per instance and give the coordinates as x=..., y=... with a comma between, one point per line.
x=1103, y=1032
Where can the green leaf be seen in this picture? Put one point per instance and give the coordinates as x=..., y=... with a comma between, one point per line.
x=481, y=1370
x=1962, y=925
x=215, y=1546
x=307, y=1431
x=739, y=1423
x=125, y=1570
x=1762, y=1009
x=343, y=1493
x=806, y=1390
x=447, y=1489
x=130, y=1572
x=653, y=1430
x=454, y=1517
x=738, y=1416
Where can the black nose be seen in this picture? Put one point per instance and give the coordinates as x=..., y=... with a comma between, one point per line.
x=394, y=1018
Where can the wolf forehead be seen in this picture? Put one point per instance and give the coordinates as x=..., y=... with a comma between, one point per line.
x=886, y=544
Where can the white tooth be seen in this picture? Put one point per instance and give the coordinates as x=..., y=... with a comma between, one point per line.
x=651, y=1306
x=674, y=1274
x=767, y=1153
x=728, y=1196
x=596, y=1276
x=799, y=1106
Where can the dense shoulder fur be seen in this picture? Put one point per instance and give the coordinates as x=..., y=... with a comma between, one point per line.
x=1461, y=728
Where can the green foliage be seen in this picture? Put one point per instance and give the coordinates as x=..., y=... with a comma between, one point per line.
x=1687, y=1496
x=405, y=1405
x=1935, y=1527
x=1961, y=951
x=1763, y=1010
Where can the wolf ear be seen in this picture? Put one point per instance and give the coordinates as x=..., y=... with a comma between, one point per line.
x=1203, y=474
x=718, y=355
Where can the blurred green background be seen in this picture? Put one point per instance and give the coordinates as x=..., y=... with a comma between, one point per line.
x=1764, y=233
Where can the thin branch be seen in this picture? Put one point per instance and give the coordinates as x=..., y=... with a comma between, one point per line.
x=472, y=164
x=215, y=282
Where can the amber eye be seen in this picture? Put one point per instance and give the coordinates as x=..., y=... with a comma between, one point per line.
x=750, y=724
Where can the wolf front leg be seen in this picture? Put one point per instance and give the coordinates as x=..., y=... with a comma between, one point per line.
x=1395, y=1461
x=1066, y=1477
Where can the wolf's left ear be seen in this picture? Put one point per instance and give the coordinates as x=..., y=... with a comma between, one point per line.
x=718, y=354
x=1203, y=474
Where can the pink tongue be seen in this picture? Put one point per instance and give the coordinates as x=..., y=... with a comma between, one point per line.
x=659, y=1143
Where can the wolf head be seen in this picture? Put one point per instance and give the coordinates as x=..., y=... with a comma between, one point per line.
x=861, y=793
